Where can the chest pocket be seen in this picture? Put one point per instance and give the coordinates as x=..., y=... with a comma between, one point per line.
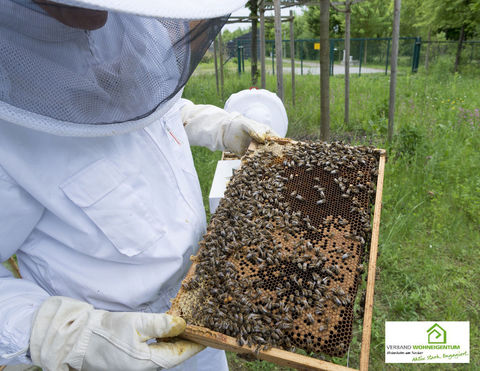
x=110, y=200
x=172, y=142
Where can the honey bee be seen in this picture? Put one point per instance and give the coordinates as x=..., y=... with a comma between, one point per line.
x=310, y=320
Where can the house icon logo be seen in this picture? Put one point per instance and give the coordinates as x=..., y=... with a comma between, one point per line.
x=437, y=335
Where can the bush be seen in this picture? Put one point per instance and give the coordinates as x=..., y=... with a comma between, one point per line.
x=208, y=57
x=407, y=141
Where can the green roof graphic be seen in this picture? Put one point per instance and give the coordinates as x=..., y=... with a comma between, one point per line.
x=437, y=335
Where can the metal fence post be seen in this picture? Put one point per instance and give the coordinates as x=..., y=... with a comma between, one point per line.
x=388, y=53
x=243, y=59
x=301, y=58
x=332, y=61
x=412, y=59
x=273, y=60
x=416, y=54
x=239, y=62
x=361, y=57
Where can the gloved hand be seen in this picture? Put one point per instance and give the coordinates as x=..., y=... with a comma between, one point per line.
x=70, y=334
x=217, y=129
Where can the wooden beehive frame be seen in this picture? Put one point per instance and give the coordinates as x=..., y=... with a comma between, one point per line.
x=218, y=340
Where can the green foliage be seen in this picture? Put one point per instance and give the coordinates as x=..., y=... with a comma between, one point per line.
x=372, y=18
x=452, y=14
x=312, y=18
x=447, y=16
x=207, y=58
x=300, y=28
x=228, y=35
x=408, y=140
x=430, y=228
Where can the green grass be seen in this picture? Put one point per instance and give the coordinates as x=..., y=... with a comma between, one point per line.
x=429, y=251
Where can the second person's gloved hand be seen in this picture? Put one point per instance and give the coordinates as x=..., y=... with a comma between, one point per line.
x=69, y=334
x=217, y=129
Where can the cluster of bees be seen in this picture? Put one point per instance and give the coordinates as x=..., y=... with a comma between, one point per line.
x=283, y=255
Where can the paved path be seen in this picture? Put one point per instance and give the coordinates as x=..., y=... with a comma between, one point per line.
x=337, y=70
x=309, y=68
x=313, y=69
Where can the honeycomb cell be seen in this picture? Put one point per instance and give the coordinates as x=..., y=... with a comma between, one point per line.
x=280, y=263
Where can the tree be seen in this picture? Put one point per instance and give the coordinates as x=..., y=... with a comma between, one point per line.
x=410, y=22
x=229, y=35
x=300, y=27
x=372, y=18
x=459, y=19
x=393, y=67
x=278, y=48
x=324, y=70
x=253, y=6
x=269, y=31
x=347, y=9
x=312, y=17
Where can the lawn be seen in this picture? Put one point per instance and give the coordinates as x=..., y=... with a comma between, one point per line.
x=428, y=263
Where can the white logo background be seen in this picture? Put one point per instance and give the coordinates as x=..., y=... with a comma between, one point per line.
x=402, y=337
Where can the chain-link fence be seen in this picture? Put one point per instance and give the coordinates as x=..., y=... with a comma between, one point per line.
x=367, y=55
x=442, y=54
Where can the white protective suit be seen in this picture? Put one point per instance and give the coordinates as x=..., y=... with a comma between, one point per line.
x=109, y=220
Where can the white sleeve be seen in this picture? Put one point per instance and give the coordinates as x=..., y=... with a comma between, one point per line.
x=19, y=299
x=205, y=124
x=217, y=129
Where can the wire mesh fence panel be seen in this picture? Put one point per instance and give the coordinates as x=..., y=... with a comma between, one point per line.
x=405, y=52
x=367, y=55
x=375, y=52
x=442, y=54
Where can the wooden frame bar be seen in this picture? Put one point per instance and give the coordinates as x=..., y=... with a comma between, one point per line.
x=372, y=268
x=281, y=357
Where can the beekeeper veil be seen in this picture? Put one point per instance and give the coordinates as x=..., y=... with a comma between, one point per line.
x=100, y=67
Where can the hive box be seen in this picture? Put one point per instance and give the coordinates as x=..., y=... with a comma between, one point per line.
x=223, y=173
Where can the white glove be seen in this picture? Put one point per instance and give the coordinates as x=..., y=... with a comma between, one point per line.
x=69, y=334
x=217, y=129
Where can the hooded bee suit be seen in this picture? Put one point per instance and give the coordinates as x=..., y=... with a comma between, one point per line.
x=99, y=198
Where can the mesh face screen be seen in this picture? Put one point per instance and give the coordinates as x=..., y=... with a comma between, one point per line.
x=282, y=258
x=120, y=72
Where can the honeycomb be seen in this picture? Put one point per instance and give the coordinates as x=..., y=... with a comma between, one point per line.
x=283, y=255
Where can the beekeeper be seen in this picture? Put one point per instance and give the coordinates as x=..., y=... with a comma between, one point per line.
x=99, y=198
